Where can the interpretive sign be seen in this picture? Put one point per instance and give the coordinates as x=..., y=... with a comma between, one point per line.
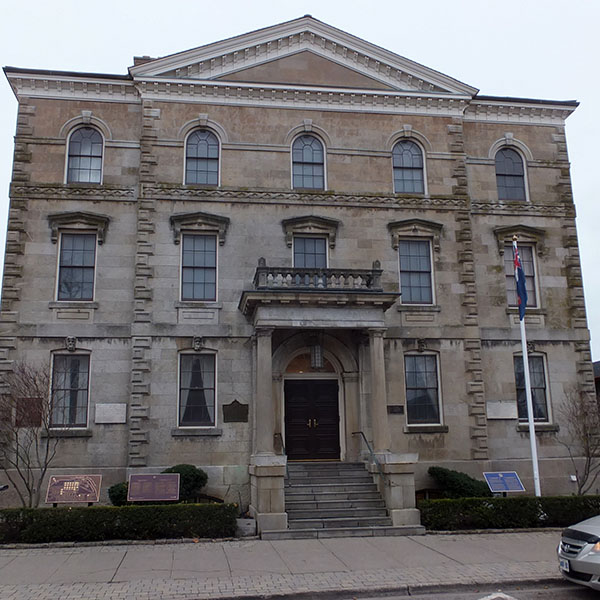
x=146, y=488
x=504, y=481
x=73, y=488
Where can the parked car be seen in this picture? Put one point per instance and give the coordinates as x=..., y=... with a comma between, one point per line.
x=579, y=553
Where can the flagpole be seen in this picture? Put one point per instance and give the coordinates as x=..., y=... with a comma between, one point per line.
x=532, y=437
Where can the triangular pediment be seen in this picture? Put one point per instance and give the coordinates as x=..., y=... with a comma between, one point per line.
x=303, y=52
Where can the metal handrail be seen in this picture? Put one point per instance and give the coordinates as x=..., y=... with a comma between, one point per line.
x=372, y=455
x=278, y=435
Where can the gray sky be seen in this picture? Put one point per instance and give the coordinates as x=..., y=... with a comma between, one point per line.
x=534, y=49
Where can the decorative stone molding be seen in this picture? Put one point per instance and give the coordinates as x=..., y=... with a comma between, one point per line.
x=421, y=345
x=78, y=220
x=415, y=228
x=308, y=126
x=71, y=192
x=199, y=222
x=203, y=122
x=71, y=343
x=312, y=225
x=197, y=343
x=524, y=233
x=86, y=118
x=409, y=133
x=509, y=141
x=523, y=208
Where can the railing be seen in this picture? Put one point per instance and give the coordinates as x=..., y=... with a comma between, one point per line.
x=292, y=278
x=280, y=437
x=372, y=456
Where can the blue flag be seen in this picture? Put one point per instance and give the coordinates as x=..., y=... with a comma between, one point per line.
x=520, y=279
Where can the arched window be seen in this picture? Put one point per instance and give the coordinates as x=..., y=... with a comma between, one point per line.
x=202, y=158
x=308, y=163
x=85, y=156
x=407, y=161
x=510, y=175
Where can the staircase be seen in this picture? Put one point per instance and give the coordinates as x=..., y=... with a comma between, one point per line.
x=334, y=499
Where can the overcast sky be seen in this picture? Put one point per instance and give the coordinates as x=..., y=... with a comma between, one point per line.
x=527, y=48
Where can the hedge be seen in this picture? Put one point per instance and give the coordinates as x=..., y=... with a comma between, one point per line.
x=455, y=484
x=96, y=523
x=507, y=513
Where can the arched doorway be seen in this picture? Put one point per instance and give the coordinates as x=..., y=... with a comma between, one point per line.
x=311, y=410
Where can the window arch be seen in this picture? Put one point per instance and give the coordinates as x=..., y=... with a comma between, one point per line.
x=510, y=175
x=407, y=162
x=202, y=158
x=308, y=163
x=84, y=164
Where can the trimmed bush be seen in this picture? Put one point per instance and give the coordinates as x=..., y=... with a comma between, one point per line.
x=118, y=493
x=191, y=481
x=459, y=485
x=507, y=513
x=96, y=523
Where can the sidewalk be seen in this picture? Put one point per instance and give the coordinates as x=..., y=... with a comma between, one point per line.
x=257, y=568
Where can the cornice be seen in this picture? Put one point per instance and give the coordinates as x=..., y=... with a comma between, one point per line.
x=528, y=112
x=70, y=192
x=174, y=193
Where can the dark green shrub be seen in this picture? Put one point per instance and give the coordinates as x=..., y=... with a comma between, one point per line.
x=191, y=481
x=459, y=485
x=118, y=493
x=70, y=524
x=507, y=513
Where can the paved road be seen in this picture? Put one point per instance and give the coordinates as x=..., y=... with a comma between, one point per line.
x=257, y=568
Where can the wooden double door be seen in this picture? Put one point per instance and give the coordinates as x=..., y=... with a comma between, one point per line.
x=312, y=421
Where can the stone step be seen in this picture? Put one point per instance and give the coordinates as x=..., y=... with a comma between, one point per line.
x=331, y=487
x=326, y=496
x=339, y=522
x=334, y=503
x=333, y=465
x=296, y=534
x=328, y=513
x=359, y=478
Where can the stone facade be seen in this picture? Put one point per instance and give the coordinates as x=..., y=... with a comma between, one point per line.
x=256, y=94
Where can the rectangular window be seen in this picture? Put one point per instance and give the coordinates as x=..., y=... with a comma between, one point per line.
x=70, y=384
x=77, y=266
x=310, y=253
x=197, y=390
x=415, y=272
x=526, y=253
x=537, y=376
x=199, y=267
x=422, y=391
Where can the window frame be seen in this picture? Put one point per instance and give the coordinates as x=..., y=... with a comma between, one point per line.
x=525, y=181
x=218, y=159
x=72, y=426
x=537, y=357
x=310, y=237
x=440, y=420
x=423, y=168
x=324, y=163
x=533, y=294
x=215, y=236
x=429, y=241
x=79, y=232
x=68, y=155
x=180, y=357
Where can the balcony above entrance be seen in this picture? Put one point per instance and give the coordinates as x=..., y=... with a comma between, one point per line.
x=316, y=297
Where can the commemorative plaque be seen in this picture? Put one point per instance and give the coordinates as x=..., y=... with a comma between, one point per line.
x=148, y=488
x=73, y=488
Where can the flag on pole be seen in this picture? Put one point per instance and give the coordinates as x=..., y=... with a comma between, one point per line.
x=520, y=279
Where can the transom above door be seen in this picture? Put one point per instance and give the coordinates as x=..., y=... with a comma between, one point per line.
x=312, y=427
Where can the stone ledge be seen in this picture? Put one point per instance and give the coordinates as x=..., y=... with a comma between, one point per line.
x=197, y=432
x=539, y=427
x=418, y=307
x=73, y=304
x=68, y=433
x=426, y=429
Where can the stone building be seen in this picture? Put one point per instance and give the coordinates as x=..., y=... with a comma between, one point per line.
x=253, y=250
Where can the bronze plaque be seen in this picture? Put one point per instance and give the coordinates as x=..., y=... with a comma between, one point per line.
x=395, y=409
x=148, y=488
x=236, y=412
x=73, y=488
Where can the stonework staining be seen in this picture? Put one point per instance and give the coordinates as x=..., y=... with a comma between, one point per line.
x=234, y=323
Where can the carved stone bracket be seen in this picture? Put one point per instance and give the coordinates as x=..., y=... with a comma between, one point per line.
x=71, y=343
x=197, y=343
x=310, y=225
x=81, y=220
x=200, y=222
x=415, y=228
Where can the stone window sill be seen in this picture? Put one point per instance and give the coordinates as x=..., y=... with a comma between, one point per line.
x=73, y=304
x=419, y=307
x=198, y=304
x=68, y=433
x=426, y=429
x=539, y=427
x=197, y=432
x=530, y=310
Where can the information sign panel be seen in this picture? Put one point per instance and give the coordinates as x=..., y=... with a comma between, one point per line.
x=504, y=481
x=73, y=488
x=146, y=488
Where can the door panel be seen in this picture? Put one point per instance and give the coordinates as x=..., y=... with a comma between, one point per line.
x=312, y=419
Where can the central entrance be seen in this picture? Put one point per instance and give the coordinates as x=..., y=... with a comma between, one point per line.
x=312, y=422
